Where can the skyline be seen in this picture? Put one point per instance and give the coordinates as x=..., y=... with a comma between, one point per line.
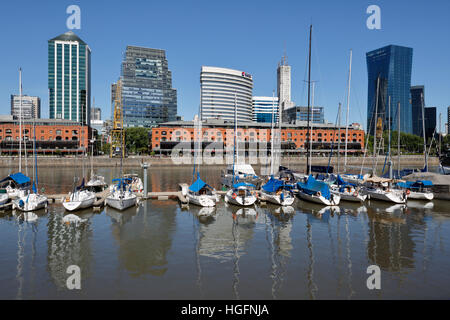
x=337, y=28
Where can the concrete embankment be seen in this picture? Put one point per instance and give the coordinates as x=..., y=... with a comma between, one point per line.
x=412, y=161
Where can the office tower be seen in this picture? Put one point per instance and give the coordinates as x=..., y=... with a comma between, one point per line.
x=219, y=86
x=448, y=119
x=263, y=107
x=430, y=121
x=389, y=71
x=417, y=105
x=284, y=85
x=31, y=107
x=147, y=94
x=297, y=113
x=96, y=114
x=69, y=78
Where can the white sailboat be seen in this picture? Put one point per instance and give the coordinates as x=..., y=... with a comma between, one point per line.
x=32, y=201
x=317, y=192
x=96, y=182
x=80, y=198
x=199, y=192
x=240, y=194
x=380, y=189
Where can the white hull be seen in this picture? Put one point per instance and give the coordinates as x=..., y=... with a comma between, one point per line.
x=351, y=196
x=202, y=200
x=276, y=199
x=239, y=200
x=79, y=200
x=386, y=196
x=334, y=201
x=4, y=198
x=31, y=202
x=421, y=195
x=121, y=203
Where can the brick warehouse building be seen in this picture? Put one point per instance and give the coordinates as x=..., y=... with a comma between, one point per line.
x=68, y=136
x=293, y=136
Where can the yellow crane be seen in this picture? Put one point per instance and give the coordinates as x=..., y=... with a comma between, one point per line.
x=117, y=133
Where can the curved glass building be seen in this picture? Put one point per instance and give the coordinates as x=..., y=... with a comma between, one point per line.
x=218, y=89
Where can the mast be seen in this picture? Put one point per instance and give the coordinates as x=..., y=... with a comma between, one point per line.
x=398, y=138
x=375, y=119
x=309, y=88
x=440, y=134
x=20, y=120
x=271, y=133
x=424, y=133
x=389, y=138
x=92, y=153
x=235, y=156
x=348, y=110
x=312, y=122
x=339, y=139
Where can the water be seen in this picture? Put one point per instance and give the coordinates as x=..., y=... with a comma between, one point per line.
x=160, y=251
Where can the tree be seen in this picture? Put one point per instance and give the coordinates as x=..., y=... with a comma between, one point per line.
x=106, y=148
x=136, y=140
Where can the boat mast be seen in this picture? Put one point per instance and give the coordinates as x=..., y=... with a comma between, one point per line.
x=271, y=132
x=348, y=109
x=235, y=155
x=424, y=133
x=398, y=139
x=375, y=119
x=309, y=88
x=312, y=122
x=339, y=139
x=20, y=120
x=389, y=138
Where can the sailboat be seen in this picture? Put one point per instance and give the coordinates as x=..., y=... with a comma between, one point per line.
x=32, y=201
x=199, y=192
x=96, y=182
x=347, y=191
x=317, y=192
x=241, y=193
x=121, y=196
x=418, y=190
x=276, y=191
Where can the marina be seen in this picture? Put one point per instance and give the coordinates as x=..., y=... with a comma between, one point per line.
x=163, y=249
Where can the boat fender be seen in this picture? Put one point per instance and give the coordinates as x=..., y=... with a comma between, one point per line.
x=318, y=193
x=234, y=195
x=355, y=193
x=408, y=192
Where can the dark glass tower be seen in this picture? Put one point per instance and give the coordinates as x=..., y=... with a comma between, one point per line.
x=147, y=94
x=430, y=121
x=389, y=69
x=417, y=104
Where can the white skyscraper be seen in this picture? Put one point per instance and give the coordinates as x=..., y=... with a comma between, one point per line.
x=284, y=84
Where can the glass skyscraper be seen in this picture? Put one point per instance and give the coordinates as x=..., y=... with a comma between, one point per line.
x=417, y=104
x=263, y=107
x=147, y=94
x=69, y=78
x=389, y=70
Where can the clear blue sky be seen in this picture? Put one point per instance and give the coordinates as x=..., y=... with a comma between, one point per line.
x=247, y=35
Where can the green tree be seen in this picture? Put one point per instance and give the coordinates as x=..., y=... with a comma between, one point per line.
x=106, y=148
x=136, y=140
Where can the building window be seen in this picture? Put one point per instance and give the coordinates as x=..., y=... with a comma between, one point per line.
x=58, y=132
x=163, y=133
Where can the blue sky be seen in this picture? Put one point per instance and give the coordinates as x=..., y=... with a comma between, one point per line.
x=248, y=35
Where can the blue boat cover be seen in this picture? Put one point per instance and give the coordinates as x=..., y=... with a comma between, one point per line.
x=81, y=186
x=273, y=185
x=18, y=178
x=122, y=182
x=312, y=186
x=198, y=185
x=243, y=184
x=415, y=185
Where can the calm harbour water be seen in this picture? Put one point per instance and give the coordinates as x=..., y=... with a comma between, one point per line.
x=160, y=251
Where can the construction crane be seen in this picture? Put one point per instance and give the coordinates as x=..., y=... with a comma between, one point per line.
x=117, y=133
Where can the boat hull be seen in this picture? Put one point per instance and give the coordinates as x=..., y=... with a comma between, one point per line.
x=319, y=199
x=121, y=204
x=202, y=200
x=421, y=195
x=276, y=199
x=351, y=197
x=387, y=196
x=77, y=205
x=34, y=203
x=239, y=200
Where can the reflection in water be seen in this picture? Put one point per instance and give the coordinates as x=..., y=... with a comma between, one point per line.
x=278, y=225
x=144, y=237
x=312, y=288
x=67, y=244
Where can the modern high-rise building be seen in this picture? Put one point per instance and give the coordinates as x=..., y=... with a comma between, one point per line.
x=264, y=107
x=96, y=114
x=284, y=85
x=219, y=88
x=417, y=104
x=147, y=94
x=69, y=78
x=297, y=113
x=389, y=74
x=448, y=120
x=430, y=121
x=31, y=107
